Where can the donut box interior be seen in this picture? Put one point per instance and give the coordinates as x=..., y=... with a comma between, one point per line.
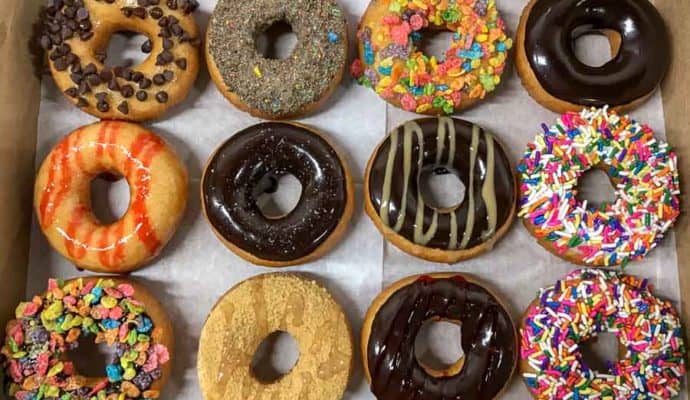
x=195, y=269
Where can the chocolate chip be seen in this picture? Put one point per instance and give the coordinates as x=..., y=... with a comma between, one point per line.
x=137, y=76
x=66, y=33
x=82, y=14
x=102, y=97
x=56, y=39
x=100, y=55
x=118, y=71
x=142, y=95
x=181, y=63
x=113, y=85
x=139, y=12
x=94, y=80
x=176, y=29
x=90, y=69
x=143, y=3
x=70, y=12
x=127, y=12
x=84, y=87
x=164, y=33
x=123, y=108
x=45, y=42
x=147, y=46
x=127, y=91
x=156, y=12
x=72, y=24
x=168, y=43
x=106, y=74
x=54, y=55
x=162, y=97
x=145, y=83
x=127, y=74
x=159, y=79
x=168, y=75
x=164, y=58
x=71, y=92
x=81, y=103
x=173, y=20
x=72, y=59
x=103, y=107
x=60, y=64
x=76, y=78
x=172, y=4
x=85, y=25
x=86, y=36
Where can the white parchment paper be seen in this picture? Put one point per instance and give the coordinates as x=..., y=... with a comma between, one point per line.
x=195, y=269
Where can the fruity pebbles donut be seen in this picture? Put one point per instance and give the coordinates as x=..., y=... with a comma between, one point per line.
x=642, y=171
x=588, y=302
x=119, y=313
x=392, y=64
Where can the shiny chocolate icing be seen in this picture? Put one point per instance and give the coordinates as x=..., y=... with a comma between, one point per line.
x=488, y=340
x=249, y=164
x=444, y=145
x=636, y=70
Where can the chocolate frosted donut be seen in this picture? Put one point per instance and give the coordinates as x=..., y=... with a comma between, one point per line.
x=277, y=89
x=489, y=340
x=250, y=164
x=395, y=203
x=556, y=78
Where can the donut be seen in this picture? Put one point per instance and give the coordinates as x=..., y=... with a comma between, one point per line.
x=394, y=200
x=576, y=309
x=250, y=164
x=559, y=81
x=270, y=88
x=258, y=307
x=120, y=313
x=157, y=181
x=391, y=62
x=642, y=171
x=75, y=36
x=394, y=319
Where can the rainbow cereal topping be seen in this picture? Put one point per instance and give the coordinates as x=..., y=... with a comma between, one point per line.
x=642, y=168
x=579, y=307
x=48, y=327
x=400, y=73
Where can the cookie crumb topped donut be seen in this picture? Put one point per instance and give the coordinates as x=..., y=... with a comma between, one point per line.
x=269, y=88
x=391, y=62
x=75, y=37
x=579, y=307
x=258, y=307
x=642, y=170
x=119, y=313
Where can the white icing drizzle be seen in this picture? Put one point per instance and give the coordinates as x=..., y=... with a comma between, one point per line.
x=489, y=189
x=386, y=195
x=453, y=242
x=469, y=223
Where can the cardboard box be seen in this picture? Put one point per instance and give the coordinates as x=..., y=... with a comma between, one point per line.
x=19, y=104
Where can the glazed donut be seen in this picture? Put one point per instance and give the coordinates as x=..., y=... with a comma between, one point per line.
x=642, y=171
x=578, y=308
x=157, y=180
x=248, y=165
x=258, y=307
x=119, y=313
x=559, y=81
x=394, y=201
x=394, y=319
x=277, y=89
x=76, y=35
x=391, y=63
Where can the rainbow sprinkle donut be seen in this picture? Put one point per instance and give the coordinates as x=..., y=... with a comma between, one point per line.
x=37, y=344
x=390, y=62
x=588, y=302
x=642, y=171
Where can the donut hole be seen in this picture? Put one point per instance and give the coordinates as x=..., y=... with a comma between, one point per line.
x=595, y=48
x=438, y=347
x=600, y=350
x=594, y=186
x=91, y=359
x=278, y=195
x=275, y=357
x=125, y=49
x=109, y=197
x=441, y=187
x=277, y=41
x=434, y=42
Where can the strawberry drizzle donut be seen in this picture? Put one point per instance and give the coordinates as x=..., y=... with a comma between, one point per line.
x=588, y=302
x=158, y=191
x=75, y=36
x=642, y=171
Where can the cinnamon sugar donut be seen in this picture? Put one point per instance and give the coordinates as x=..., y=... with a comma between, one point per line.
x=158, y=194
x=76, y=35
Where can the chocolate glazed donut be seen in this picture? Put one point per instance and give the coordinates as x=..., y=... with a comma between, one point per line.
x=489, y=340
x=250, y=164
x=556, y=78
x=395, y=203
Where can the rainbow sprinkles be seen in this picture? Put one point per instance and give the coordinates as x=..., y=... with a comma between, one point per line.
x=391, y=63
x=48, y=327
x=641, y=168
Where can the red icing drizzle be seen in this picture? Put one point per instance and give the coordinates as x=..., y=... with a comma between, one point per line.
x=59, y=162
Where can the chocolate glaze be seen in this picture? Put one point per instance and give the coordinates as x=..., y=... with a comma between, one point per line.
x=488, y=340
x=488, y=197
x=636, y=70
x=250, y=164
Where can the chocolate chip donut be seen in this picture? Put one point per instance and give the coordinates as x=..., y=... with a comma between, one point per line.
x=552, y=73
x=277, y=89
x=394, y=201
x=76, y=35
x=250, y=164
x=391, y=325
